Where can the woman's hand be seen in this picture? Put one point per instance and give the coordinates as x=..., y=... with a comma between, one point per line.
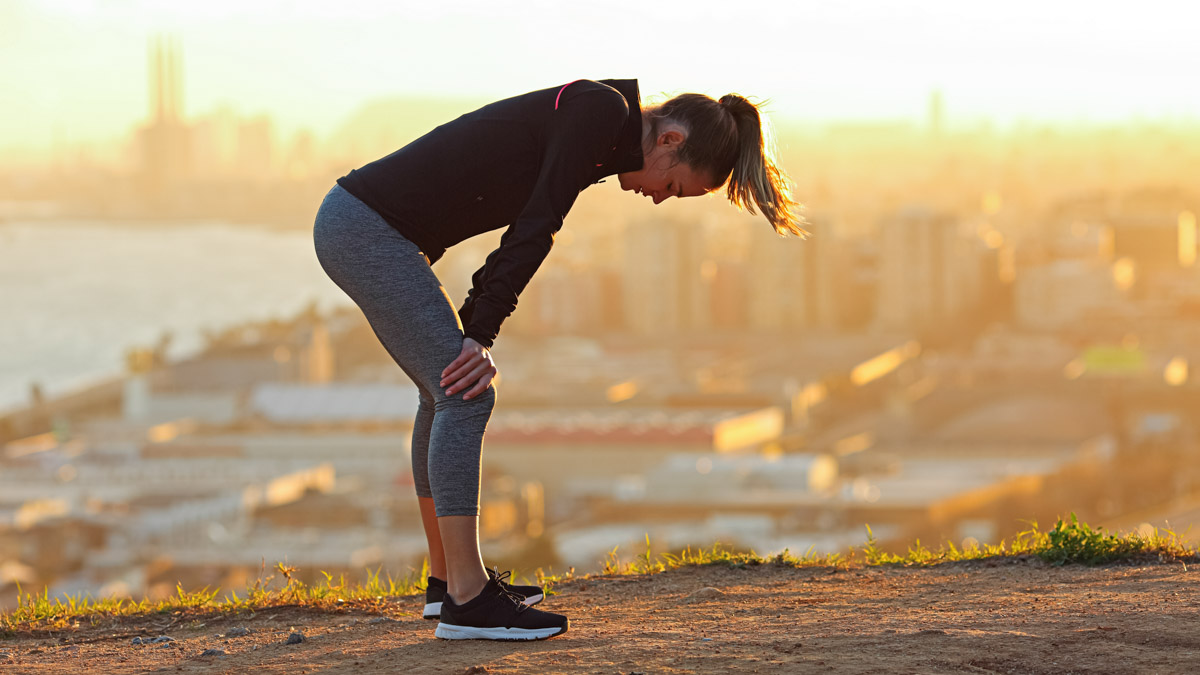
x=473, y=366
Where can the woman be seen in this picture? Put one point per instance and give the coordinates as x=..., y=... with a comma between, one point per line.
x=517, y=163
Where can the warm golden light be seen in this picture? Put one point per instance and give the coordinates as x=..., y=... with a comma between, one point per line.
x=772, y=452
x=1074, y=370
x=1124, y=273
x=622, y=391
x=742, y=431
x=991, y=202
x=1187, y=238
x=28, y=446
x=853, y=444
x=877, y=367
x=1176, y=372
x=169, y=431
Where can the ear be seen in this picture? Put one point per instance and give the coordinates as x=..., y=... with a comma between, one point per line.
x=670, y=138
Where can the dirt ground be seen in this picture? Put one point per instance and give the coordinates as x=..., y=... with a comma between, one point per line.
x=999, y=616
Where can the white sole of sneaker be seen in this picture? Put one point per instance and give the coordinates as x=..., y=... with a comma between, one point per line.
x=433, y=610
x=533, y=600
x=451, y=632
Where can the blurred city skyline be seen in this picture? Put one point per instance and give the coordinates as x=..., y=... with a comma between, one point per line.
x=310, y=67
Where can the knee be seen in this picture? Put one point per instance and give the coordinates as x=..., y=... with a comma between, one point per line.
x=480, y=403
x=425, y=399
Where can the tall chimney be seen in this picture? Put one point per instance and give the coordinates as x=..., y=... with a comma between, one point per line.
x=174, y=75
x=157, y=102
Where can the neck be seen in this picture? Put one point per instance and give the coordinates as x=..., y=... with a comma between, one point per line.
x=647, y=136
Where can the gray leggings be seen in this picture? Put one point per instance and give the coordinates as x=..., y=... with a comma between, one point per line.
x=389, y=278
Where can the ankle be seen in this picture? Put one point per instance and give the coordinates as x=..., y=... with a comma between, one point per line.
x=463, y=591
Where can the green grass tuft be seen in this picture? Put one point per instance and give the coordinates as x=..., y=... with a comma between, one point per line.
x=1068, y=542
x=39, y=612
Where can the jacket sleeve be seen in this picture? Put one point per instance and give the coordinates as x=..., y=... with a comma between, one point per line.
x=580, y=132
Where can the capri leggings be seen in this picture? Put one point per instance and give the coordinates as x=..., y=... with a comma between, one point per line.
x=390, y=279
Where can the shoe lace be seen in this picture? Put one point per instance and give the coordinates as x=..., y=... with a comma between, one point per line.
x=502, y=583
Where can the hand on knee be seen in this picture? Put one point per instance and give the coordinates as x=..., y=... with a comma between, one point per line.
x=473, y=371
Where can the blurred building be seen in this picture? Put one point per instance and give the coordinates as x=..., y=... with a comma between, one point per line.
x=1063, y=292
x=216, y=137
x=256, y=149
x=664, y=287
x=562, y=446
x=164, y=141
x=929, y=270
x=793, y=283
x=1148, y=234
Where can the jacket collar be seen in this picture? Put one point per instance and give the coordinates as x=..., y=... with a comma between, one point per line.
x=627, y=156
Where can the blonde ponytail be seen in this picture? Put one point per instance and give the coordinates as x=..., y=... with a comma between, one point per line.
x=756, y=178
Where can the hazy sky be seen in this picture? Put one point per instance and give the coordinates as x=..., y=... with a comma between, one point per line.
x=80, y=66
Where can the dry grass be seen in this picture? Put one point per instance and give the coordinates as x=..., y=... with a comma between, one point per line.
x=1068, y=542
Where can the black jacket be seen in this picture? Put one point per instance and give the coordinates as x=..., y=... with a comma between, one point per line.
x=517, y=163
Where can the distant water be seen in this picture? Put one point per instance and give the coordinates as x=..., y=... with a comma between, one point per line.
x=75, y=295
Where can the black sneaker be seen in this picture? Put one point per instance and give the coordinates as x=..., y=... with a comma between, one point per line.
x=435, y=591
x=496, y=614
x=532, y=594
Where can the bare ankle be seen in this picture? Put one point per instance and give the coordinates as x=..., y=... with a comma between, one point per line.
x=465, y=590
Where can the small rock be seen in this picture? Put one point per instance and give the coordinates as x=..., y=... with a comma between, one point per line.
x=706, y=639
x=161, y=639
x=706, y=593
x=382, y=619
x=212, y=652
x=239, y=631
x=136, y=641
x=295, y=638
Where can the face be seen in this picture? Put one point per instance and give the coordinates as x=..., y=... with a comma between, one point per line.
x=659, y=180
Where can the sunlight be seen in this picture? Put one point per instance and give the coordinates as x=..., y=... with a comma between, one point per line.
x=1187, y=238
